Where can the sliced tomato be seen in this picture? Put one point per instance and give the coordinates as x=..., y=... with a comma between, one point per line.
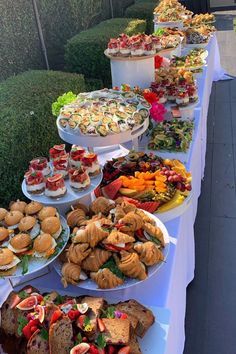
x=114, y=248
x=119, y=226
x=55, y=316
x=140, y=235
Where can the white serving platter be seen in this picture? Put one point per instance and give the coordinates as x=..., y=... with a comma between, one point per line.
x=36, y=264
x=91, y=285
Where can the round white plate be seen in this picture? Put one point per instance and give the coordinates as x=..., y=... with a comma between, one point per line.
x=94, y=141
x=91, y=285
x=35, y=264
x=175, y=212
x=70, y=197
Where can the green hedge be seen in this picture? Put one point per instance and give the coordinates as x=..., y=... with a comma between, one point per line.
x=144, y=10
x=27, y=127
x=84, y=53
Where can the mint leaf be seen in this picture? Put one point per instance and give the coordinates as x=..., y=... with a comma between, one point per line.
x=44, y=333
x=109, y=312
x=59, y=299
x=79, y=338
x=101, y=343
x=22, y=322
x=86, y=321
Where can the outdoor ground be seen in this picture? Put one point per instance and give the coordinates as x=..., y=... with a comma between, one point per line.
x=211, y=297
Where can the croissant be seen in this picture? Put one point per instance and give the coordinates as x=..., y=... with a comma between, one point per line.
x=128, y=207
x=131, y=221
x=149, y=253
x=105, y=279
x=95, y=260
x=70, y=274
x=145, y=217
x=155, y=232
x=76, y=217
x=78, y=252
x=119, y=213
x=92, y=234
x=131, y=266
x=102, y=205
x=118, y=237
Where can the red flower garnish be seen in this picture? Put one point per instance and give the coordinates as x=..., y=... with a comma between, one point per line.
x=150, y=97
x=158, y=61
x=157, y=112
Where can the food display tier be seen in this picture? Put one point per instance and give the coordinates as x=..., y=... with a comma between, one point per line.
x=170, y=52
x=94, y=141
x=91, y=285
x=128, y=58
x=37, y=264
x=69, y=198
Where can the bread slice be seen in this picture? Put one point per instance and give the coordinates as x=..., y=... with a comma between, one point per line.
x=95, y=304
x=144, y=315
x=37, y=345
x=133, y=319
x=117, y=331
x=60, y=336
x=8, y=320
x=134, y=345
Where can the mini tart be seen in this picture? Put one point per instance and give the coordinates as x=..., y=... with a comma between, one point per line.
x=52, y=226
x=33, y=208
x=46, y=212
x=3, y=213
x=43, y=245
x=12, y=218
x=20, y=243
x=18, y=205
x=4, y=233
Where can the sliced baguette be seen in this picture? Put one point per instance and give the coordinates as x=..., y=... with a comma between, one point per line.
x=8, y=320
x=60, y=336
x=117, y=331
x=37, y=345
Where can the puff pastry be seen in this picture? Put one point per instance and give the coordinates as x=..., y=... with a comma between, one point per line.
x=105, y=279
x=149, y=253
x=92, y=234
x=78, y=252
x=130, y=265
x=154, y=231
x=95, y=260
x=70, y=274
x=131, y=221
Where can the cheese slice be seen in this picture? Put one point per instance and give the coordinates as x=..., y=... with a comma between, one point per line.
x=44, y=254
x=14, y=250
x=15, y=261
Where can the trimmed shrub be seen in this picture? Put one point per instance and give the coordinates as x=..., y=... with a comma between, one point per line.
x=144, y=10
x=85, y=52
x=27, y=127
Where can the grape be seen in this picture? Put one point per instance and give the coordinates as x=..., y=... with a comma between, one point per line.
x=188, y=187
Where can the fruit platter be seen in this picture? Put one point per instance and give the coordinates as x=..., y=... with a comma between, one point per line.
x=175, y=86
x=149, y=182
x=175, y=135
x=113, y=245
x=103, y=117
x=67, y=177
x=68, y=324
x=31, y=237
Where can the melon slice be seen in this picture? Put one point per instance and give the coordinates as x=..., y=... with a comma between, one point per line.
x=111, y=190
x=128, y=192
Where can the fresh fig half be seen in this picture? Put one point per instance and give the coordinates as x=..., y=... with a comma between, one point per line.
x=81, y=348
x=28, y=304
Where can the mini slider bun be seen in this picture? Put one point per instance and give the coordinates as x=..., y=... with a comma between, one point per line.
x=20, y=243
x=18, y=205
x=4, y=233
x=43, y=244
x=52, y=226
x=29, y=224
x=33, y=208
x=8, y=261
x=12, y=218
x=3, y=213
x=46, y=212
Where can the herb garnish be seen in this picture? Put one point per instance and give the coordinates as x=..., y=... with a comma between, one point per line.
x=44, y=333
x=22, y=322
x=111, y=265
x=59, y=299
x=101, y=343
x=79, y=339
x=109, y=312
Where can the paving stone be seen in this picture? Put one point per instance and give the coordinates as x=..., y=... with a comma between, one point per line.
x=222, y=123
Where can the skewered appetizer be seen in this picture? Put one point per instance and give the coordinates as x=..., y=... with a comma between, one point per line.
x=104, y=112
x=40, y=164
x=55, y=186
x=150, y=183
x=118, y=241
x=28, y=230
x=35, y=182
x=79, y=178
x=63, y=324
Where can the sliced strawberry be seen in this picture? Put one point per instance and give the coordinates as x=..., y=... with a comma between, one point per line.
x=93, y=349
x=111, y=349
x=27, y=329
x=80, y=321
x=101, y=325
x=55, y=316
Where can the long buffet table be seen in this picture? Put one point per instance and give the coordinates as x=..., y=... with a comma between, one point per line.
x=168, y=287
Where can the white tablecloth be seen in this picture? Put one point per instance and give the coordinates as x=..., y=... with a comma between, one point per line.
x=168, y=287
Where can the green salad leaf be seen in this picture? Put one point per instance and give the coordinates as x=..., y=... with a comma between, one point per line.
x=44, y=333
x=101, y=343
x=111, y=265
x=22, y=322
x=61, y=101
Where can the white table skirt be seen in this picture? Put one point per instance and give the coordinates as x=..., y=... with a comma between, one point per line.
x=168, y=287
